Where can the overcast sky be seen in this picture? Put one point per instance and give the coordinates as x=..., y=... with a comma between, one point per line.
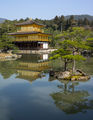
x=44, y=9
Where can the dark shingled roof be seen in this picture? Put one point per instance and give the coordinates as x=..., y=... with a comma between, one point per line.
x=23, y=33
x=29, y=22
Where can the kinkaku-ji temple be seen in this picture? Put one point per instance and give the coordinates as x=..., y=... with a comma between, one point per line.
x=30, y=36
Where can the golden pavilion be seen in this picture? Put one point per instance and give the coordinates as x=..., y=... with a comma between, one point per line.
x=30, y=36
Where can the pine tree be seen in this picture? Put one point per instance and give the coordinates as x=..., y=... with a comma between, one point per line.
x=86, y=21
x=80, y=22
x=62, y=23
x=72, y=42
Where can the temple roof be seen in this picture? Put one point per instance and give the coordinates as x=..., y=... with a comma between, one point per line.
x=25, y=33
x=29, y=22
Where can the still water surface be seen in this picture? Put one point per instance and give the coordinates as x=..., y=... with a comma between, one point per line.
x=25, y=95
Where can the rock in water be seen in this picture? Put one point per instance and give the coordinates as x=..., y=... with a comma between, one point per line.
x=79, y=72
x=83, y=78
x=68, y=75
x=64, y=75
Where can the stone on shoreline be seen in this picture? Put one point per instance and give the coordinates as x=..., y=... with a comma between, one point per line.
x=9, y=56
x=68, y=75
x=80, y=78
x=63, y=75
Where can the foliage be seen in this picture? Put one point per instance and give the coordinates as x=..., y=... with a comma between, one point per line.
x=90, y=42
x=6, y=42
x=75, y=57
x=70, y=46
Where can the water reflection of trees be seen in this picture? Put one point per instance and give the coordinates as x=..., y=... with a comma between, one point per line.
x=70, y=100
x=28, y=67
x=6, y=69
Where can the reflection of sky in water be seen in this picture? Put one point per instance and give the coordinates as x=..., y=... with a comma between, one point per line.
x=19, y=99
x=4, y=108
x=9, y=81
x=26, y=98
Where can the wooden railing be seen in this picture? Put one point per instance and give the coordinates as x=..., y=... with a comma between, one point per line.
x=32, y=39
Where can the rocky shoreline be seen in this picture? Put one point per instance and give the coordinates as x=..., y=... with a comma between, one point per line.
x=46, y=51
x=68, y=75
x=5, y=56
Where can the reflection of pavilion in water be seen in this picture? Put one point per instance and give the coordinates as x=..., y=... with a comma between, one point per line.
x=31, y=66
x=72, y=101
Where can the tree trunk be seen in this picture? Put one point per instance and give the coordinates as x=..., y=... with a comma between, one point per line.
x=74, y=63
x=65, y=64
x=74, y=66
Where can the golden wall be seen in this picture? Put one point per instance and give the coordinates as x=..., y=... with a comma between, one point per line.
x=29, y=28
x=32, y=37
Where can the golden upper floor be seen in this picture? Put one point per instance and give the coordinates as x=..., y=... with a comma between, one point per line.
x=29, y=26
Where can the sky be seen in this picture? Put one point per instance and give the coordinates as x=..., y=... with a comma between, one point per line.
x=43, y=9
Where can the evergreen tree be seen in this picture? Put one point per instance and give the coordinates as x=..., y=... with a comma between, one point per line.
x=80, y=22
x=56, y=20
x=85, y=22
x=62, y=23
x=72, y=42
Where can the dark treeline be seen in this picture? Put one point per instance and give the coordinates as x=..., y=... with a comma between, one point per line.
x=59, y=23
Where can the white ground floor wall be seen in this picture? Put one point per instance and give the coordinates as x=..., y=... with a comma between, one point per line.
x=45, y=45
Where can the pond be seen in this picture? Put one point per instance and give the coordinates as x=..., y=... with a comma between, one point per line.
x=26, y=95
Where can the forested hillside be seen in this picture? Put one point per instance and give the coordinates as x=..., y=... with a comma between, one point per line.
x=77, y=17
x=2, y=20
